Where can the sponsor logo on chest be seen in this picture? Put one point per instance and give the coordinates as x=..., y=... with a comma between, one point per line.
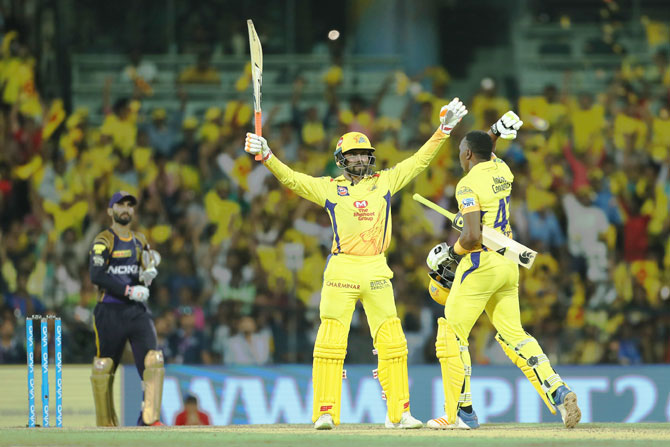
x=122, y=269
x=361, y=212
x=122, y=253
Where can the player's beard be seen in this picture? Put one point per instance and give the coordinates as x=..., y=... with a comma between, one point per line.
x=359, y=169
x=123, y=218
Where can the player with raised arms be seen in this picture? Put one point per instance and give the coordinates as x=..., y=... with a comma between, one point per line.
x=483, y=280
x=359, y=205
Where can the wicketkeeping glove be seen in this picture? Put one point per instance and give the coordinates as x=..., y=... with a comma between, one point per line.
x=451, y=114
x=440, y=254
x=137, y=293
x=255, y=144
x=148, y=275
x=507, y=126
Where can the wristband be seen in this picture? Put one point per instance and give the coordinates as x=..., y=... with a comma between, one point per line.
x=494, y=129
x=459, y=250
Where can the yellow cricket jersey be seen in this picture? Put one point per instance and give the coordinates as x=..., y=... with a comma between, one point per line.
x=487, y=189
x=360, y=214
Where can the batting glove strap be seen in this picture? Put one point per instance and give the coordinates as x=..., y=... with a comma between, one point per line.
x=454, y=256
x=494, y=129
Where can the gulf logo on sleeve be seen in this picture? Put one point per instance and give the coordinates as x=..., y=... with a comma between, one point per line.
x=342, y=191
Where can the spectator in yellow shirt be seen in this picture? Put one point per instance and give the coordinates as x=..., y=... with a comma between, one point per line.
x=121, y=126
x=201, y=73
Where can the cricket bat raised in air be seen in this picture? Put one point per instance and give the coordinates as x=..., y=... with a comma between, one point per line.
x=493, y=240
x=256, y=76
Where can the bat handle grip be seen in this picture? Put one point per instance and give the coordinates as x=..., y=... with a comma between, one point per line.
x=258, y=130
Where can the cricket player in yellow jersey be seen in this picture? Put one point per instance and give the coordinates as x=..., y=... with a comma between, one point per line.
x=486, y=281
x=359, y=205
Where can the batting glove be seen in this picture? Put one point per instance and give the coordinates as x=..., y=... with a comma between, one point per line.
x=507, y=126
x=137, y=293
x=440, y=254
x=255, y=144
x=452, y=114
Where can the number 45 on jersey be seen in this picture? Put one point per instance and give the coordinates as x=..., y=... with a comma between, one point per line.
x=493, y=240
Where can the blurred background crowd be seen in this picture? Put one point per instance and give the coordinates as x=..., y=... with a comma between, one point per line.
x=243, y=257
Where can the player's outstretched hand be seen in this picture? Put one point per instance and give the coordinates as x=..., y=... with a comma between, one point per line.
x=452, y=114
x=507, y=126
x=255, y=144
x=137, y=293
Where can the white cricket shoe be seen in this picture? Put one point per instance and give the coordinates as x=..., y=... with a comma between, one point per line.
x=464, y=421
x=325, y=422
x=406, y=421
x=566, y=402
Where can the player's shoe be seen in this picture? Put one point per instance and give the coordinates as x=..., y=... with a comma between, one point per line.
x=566, y=402
x=325, y=422
x=464, y=421
x=406, y=421
x=140, y=422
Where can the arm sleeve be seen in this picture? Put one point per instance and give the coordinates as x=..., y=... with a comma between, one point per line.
x=579, y=174
x=98, y=261
x=403, y=173
x=467, y=199
x=311, y=188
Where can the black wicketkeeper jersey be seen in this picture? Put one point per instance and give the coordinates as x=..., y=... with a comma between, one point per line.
x=114, y=264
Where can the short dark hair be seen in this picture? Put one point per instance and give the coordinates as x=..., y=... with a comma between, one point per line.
x=120, y=104
x=480, y=143
x=191, y=399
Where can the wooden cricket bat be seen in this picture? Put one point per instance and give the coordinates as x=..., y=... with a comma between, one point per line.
x=256, y=76
x=493, y=240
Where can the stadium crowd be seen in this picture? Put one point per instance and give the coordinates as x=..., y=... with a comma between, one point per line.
x=242, y=256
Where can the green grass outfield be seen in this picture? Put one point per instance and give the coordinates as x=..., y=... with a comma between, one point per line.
x=348, y=435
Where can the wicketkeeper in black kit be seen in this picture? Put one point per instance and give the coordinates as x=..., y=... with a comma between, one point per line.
x=123, y=265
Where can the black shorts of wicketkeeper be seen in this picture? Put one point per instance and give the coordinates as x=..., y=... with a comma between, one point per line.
x=118, y=323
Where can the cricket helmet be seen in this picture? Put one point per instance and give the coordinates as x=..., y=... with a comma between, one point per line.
x=441, y=281
x=350, y=141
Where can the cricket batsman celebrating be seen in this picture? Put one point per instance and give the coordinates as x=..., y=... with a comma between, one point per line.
x=123, y=265
x=483, y=280
x=359, y=205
